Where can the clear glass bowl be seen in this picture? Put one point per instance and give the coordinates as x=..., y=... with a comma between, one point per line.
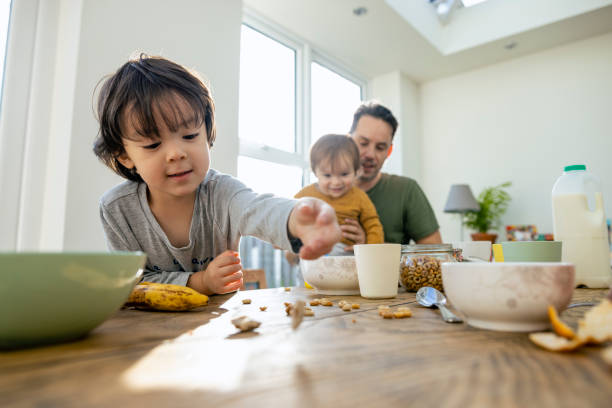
x=420, y=265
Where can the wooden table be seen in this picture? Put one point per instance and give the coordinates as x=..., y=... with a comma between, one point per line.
x=334, y=359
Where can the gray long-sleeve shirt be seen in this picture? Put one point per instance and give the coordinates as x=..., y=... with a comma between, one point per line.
x=225, y=209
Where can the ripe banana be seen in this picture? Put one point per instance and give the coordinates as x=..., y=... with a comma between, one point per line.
x=165, y=296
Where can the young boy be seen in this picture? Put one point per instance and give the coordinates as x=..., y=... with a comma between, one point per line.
x=156, y=128
x=334, y=159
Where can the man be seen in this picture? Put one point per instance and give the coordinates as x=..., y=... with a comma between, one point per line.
x=402, y=207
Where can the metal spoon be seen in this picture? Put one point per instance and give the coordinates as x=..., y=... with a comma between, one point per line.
x=428, y=297
x=581, y=304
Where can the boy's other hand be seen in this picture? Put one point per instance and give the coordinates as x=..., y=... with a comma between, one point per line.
x=352, y=230
x=223, y=275
x=314, y=222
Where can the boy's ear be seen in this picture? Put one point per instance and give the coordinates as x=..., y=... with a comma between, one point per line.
x=125, y=160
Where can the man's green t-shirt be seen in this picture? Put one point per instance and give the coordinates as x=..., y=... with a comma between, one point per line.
x=403, y=209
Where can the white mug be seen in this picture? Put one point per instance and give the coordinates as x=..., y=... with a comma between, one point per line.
x=378, y=268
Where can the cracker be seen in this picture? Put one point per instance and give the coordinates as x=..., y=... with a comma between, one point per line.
x=245, y=323
x=552, y=342
x=297, y=314
x=596, y=325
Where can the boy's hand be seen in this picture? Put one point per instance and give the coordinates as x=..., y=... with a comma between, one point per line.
x=223, y=275
x=352, y=230
x=314, y=222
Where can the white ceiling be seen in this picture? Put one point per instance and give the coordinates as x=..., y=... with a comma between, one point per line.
x=417, y=44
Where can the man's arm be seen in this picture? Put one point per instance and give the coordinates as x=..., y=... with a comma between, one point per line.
x=434, y=238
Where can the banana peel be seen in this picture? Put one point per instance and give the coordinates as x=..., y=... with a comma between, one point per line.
x=165, y=297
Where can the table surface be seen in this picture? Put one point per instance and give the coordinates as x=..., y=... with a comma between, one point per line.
x=334, y=358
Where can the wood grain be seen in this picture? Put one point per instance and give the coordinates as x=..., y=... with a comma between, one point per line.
x=334, y=359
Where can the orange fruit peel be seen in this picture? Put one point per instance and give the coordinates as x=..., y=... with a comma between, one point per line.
x=558, y=326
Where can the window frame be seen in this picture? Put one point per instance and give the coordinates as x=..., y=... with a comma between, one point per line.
x=305, y=54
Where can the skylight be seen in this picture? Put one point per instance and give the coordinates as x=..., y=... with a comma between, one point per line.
x=470, y=3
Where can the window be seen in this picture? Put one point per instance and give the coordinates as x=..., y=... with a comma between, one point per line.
x=333, y=102
x=290, y=95
x=5, y=12
x=267, y=91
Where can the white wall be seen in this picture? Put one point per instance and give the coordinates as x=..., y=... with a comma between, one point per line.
x=401, y=95
x=521, y=121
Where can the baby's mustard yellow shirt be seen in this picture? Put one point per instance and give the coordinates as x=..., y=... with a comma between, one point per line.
x=356, y=205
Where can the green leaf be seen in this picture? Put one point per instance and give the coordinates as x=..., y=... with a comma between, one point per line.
x=493, y=204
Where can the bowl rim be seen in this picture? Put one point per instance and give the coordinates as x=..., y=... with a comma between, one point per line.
x=71, y=253
x=327, y=257
x=503, y=264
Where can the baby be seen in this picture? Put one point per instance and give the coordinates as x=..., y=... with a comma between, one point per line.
x=157, y=127
x=334, y=159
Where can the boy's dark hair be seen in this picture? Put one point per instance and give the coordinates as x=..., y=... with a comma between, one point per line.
x=332, y=147
x=376, y=110
x=141, y=87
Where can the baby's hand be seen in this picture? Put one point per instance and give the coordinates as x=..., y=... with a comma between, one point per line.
x=352, y=230
x=314, y=222
x=223, y=275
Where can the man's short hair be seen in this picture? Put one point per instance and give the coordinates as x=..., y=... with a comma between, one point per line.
x=376, y=110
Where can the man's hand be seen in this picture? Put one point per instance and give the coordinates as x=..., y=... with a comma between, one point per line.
x=314, y=222
x=351, y=229
x=223, y=275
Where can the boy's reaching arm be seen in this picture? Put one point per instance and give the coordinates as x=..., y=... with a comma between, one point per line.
x=314, y=222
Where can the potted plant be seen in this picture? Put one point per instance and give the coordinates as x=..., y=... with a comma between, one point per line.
x=493, y=204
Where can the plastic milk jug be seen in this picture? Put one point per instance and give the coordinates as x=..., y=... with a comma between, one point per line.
x=580, y=223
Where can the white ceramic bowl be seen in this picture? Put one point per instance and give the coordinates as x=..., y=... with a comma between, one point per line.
x=331, y=275
x=508, y=296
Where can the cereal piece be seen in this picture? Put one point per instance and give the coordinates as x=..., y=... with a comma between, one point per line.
x=287, y=289
x=354, y=321
x=355, y=306
x=552, y=342
x=387, y=314
x=383, y=309
x=288, y=309
x=347, y=308
x=308, y=312
x=246, y=301
x=327, y=303
x=244, y=323
x=263, y=308
x=342, y=303
x=400, y=314
x=287, y=304
x=405, y=310
x=315, y=302
x=558, y=326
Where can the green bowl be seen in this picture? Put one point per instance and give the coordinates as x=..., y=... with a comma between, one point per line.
x=532, y=251
x=54, y=297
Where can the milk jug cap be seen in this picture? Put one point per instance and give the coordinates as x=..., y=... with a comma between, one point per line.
x=574, y=167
